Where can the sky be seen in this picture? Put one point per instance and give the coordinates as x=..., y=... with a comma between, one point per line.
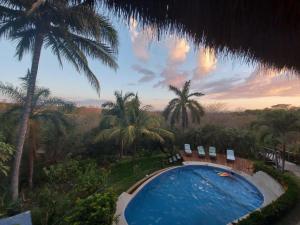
x=147, y=66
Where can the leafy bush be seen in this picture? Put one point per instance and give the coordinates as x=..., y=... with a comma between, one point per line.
x=63, y=184
x=276, y=210
x=6, y=152
x=97, y=209
x=82, y=177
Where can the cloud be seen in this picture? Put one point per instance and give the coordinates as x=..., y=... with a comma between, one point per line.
x=206, y=63
x=141, y=40
x=148, y=75
x=171, y=73
x=262, y=82
x=171, y=76
x=216, y=86
x=178, y=50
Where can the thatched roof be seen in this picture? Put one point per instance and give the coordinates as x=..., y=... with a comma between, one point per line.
x=266, y=31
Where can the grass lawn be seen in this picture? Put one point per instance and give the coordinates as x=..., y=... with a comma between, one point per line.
x=128, y=171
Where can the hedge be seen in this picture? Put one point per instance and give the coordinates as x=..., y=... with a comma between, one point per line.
x=273, y=212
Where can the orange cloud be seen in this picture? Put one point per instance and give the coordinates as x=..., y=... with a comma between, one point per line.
x=179, y=48
x=207, y=62
x=173, y=77
x=262, y=82
x=140, y=39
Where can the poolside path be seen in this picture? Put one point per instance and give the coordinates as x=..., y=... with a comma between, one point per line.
x=292, y=167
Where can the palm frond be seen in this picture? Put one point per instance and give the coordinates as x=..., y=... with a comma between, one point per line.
x=71, y=29
x=196, y=94
x=12, y=92
x=186, y=88
x=108, y=134
x=108, y=104
x=197, y=106
x=151, y=135
x=175, y=90
x=170, y=107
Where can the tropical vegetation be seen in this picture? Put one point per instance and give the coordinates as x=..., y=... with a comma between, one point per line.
x=6, y=153
x=85, y=157
x=72, y=30
x=68, y=164
x=44, y=109
x=278, y=128
x=127, y=123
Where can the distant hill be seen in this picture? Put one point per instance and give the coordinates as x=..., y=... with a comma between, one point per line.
x=94, y=103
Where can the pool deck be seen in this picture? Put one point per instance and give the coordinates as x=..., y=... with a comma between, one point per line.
x=240, y=164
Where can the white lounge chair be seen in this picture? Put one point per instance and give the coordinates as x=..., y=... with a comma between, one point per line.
x=174, y=158
x=178, y=156
x=201, y=151
x=187, y=149
x=212, y=152
x=230, y=155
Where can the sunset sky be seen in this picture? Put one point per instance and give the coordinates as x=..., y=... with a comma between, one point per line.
x=148, y=66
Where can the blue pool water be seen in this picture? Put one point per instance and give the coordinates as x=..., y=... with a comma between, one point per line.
x=193, y=195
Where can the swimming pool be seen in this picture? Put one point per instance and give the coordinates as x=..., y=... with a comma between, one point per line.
x=193, y=195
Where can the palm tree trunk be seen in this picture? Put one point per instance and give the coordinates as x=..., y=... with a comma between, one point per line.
x=182, y=118
x=25, y=117
x=31, y=166
x=32, y=151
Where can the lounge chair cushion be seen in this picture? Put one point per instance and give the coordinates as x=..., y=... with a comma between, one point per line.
x=187, y=149
x=230, y=155
x=212, y=151
x=201, y=151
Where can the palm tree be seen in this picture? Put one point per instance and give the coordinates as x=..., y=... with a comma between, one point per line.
x=134, y=126
x=44, y=109
x=278, y=125
x=180, y=107
x=120, y=106
x=71, y=29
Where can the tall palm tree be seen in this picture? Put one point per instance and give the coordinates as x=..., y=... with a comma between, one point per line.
x=137, y=125
x=44, y=109
x=120, y=106
x=71, y=29
x=277, y=125
x=182, y=106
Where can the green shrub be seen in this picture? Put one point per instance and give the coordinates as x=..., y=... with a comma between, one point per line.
x=65, y=183
x=49, y=205
x=82, y=177
x=6, y=153
x=276, y=210
x=97, y=209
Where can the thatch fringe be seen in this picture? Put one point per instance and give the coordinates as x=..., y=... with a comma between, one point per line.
x=265, y=31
